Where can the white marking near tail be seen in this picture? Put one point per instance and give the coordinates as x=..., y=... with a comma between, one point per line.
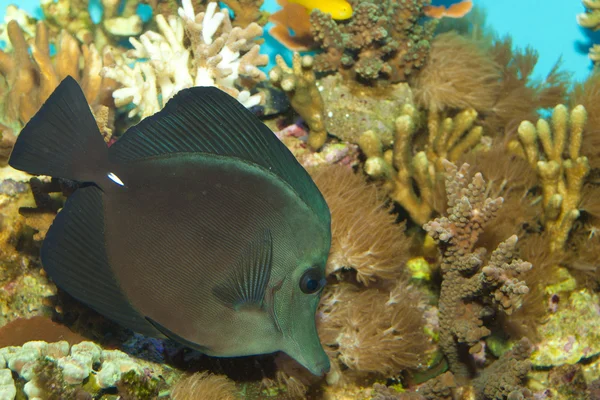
x=115, y=179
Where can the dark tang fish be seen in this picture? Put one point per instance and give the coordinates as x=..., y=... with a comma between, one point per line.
x=198, y=224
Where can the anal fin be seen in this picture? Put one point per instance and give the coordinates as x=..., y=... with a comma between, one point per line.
x=74, y=255
x=176, y=337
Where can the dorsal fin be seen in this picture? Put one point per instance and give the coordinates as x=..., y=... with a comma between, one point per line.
x=207, y=120
x=247, y=283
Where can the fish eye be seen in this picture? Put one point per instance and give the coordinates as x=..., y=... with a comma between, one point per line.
x=312, y=281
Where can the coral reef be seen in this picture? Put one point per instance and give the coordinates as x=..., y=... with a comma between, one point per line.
x=218, y=55
x=298, y=82
x=561, y=178
x=414, y=307
x=383, y=40
x=470, y=284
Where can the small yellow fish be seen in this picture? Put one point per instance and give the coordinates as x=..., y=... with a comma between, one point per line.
x=339, y=9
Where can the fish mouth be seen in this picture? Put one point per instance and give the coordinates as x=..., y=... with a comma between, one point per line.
x=311, y=357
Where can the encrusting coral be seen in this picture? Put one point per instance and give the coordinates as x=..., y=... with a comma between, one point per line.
x=383, y=40
x=402, y=171
x=298, y=82
x=218, y=55
x=31, y=74
x=561, y=177
x=470, y=284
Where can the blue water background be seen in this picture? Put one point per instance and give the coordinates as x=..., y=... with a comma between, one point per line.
x=549, y=26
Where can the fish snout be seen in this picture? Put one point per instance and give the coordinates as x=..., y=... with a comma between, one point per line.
x=321, y=368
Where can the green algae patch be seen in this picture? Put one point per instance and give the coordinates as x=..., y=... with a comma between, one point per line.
x=570, y=334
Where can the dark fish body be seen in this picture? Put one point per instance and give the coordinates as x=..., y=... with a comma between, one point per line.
x=197, y=225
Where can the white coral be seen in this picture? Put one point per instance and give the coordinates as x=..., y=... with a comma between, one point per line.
x=221, y=55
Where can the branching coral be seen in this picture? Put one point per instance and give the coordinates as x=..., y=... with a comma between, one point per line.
x=383, y=40
x=504, y=378
x=119, y=19
x=561, y=177
x=403, y=171
x=31, y=74
x=219, y=55
x=591, y=18
x=299, y=84
x=468, y=287
x=365, y=236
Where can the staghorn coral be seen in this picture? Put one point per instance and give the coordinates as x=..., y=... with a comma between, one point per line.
x=298, y=82
x=218, y=55
x=31, y=74
x=204, y=385
x=510, y=177
x=468, y=287
x=372, y=330
x=561, y=177
x=365, y=236
x=383, y=40
x=402, y=170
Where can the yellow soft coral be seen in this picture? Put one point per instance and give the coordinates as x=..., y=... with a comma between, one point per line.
x=562, y=178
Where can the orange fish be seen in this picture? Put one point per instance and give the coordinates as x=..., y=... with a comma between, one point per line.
x=457, y=10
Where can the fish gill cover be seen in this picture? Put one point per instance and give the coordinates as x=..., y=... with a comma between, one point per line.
x=462, y=189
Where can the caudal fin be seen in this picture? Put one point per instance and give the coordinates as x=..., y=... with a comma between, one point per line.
x=62, y=139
